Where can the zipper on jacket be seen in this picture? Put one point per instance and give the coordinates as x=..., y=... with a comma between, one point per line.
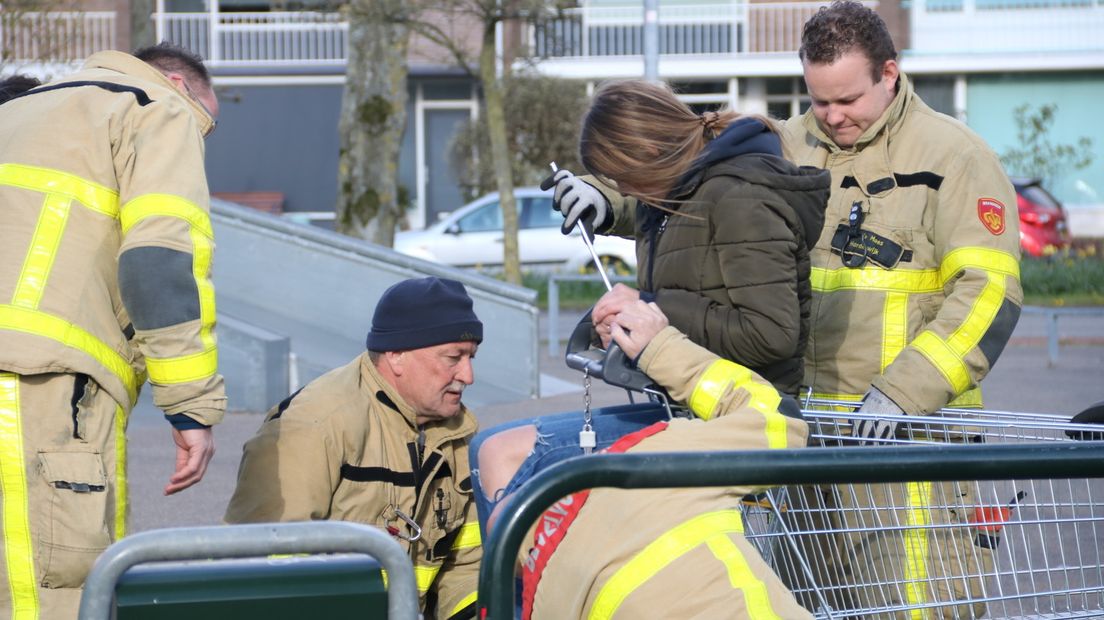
x=655, y=233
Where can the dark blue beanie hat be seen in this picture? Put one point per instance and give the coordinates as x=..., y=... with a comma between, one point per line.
x=423, y=312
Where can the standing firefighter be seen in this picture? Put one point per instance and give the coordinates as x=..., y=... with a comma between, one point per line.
x=915, y=291
x=105, y=253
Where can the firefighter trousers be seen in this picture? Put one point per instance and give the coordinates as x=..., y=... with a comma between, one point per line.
x=62, y=488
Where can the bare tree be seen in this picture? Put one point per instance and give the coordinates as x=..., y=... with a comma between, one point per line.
x=543, y=118
x=373, y=117
x=394, y=21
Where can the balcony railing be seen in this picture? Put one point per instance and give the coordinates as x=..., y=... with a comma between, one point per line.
x=731, y=28
x=284, y=38
x=1003, y=26
x=55, y=36
x=728, y=28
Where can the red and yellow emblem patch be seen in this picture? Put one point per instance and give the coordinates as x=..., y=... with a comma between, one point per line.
x=991, y=214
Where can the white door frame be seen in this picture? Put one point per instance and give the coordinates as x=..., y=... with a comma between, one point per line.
x=421, y=171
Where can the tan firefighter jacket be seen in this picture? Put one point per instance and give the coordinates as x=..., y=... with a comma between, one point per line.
x=106, y=242
x=668, y=553
x=933, y=291
x=347, y=448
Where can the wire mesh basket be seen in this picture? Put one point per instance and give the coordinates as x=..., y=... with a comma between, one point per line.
x=963, y=549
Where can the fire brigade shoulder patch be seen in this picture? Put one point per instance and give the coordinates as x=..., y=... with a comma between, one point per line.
x=991, y=213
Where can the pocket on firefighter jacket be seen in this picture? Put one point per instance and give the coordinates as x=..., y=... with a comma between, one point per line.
x=72, y=520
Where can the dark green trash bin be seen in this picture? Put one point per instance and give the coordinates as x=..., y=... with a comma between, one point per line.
x=293, y=587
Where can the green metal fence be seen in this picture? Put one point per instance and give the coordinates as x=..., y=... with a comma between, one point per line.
x=765, y=468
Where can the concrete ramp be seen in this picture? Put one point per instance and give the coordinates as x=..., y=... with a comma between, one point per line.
x=288, y=291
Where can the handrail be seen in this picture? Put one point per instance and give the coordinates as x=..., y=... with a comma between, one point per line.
x=766, y=468
x=1051, y=315
x=252, y=540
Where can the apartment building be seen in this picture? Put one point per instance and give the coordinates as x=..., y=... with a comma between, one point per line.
x=279, y=71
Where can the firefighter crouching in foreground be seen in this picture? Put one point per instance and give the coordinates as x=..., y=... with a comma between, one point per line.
x=383, y=441
x=105, y=252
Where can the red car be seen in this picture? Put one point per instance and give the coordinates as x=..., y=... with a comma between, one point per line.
x=1044, y=228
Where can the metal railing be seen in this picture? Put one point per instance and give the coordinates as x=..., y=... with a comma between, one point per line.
x=554, y=302
x=278, y=37
x=1051, y=315
x=1014, y=26
x=762, y=468
x=731, y=28
x=253, y=540
x=54, y=36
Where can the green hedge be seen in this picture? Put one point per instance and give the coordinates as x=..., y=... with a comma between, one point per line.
x=1066, y=278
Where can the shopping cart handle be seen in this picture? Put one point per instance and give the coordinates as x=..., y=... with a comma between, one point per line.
x=584, y=353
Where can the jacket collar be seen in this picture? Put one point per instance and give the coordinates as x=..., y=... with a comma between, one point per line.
x=129, y=65
x=376, y=389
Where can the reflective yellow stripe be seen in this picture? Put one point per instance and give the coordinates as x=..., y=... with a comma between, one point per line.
x=173, y=370
x=763, y=398
x=970, y=399
x=916, y=546
x=122, y=498
x=201, y=234
x=48, y=326
x=894, y=327
x=424, y=576
x=93, y=196
x=948, y=355
x=756, y=597
x=985, y=259
x=18, y=555
x=202, y=250
x=40, y=256
x=876, y=279
x=468, y=537
x=150, y=205
x=944, y=359
x=464, y=602
x=980, y=318
x=671, y=545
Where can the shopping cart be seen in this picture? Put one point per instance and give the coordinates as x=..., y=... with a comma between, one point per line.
x=966, y=549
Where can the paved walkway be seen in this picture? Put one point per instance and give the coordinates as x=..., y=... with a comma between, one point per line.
x=1021, y=381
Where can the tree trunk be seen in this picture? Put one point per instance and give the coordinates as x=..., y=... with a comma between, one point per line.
x=500, y=154
x=373, y=116
x=142, y=30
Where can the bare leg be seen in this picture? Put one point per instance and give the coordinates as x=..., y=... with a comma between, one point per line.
x=500, y=456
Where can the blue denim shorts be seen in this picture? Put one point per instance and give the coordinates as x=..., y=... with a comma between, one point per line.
x=558, y=440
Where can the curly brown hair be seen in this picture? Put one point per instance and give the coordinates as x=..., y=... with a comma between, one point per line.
x=844, y=26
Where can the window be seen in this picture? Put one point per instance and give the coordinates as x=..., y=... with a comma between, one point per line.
x=485, y=219
x=538, y=213
x=786, y=97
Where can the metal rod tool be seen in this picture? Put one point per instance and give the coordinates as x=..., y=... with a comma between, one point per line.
x=590, y=245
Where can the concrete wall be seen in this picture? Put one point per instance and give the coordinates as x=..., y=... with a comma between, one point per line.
x=278, y=280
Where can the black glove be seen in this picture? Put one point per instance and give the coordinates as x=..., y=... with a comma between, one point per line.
x=873, y=431
x=575, y=199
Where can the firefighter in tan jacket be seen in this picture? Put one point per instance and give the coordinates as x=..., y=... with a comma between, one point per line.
x=105, y=252
x=671, y=553
x=916, y=291
x=384, y=441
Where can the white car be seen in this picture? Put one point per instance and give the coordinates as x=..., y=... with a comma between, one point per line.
x=471, y=236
